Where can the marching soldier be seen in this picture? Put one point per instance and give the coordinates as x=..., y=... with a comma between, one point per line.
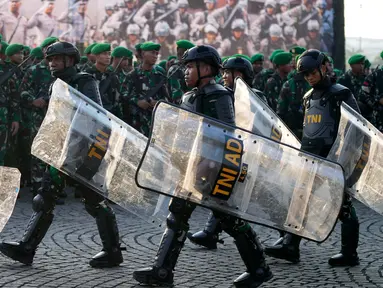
x=209, y=98
x=274, y=83
x=143, y=90
x=109, y=86
x=239, y=42
x=323, y=99
x=13, y=25
x=62, y=58
x=34, y=100
x=10, y=100
x=133, y=37
x=44, y=20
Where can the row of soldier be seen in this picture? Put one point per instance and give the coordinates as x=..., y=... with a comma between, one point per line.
x=230, y=29
x=131, y=95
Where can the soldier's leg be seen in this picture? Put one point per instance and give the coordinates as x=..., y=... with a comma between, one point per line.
x=349, y=236
x=25, y=156
x=43, y=205
x=250, y=249
x=209, y=236
x=3, y=139
x=98, y=207
x=170, y=247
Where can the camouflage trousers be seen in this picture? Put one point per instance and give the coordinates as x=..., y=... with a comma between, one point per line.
x=3, y=143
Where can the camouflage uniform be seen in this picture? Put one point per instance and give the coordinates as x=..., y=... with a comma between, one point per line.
x=289, y=106
x=272, y=89
x=9, y=110
x=35, y=84
x=352, y=82
x=370, y=95
x=139, y=82
x=261, y=78
x=177, y=85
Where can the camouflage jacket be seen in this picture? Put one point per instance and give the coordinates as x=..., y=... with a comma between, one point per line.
x=272, y=89
x=177, y=85
x=352, y=82
x=261, y=78
x=138, y=84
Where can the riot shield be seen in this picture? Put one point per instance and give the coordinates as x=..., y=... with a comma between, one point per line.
x=9, y=189
x=84, y=141
x=359, y=149
x=253, y=114
x=229, y=169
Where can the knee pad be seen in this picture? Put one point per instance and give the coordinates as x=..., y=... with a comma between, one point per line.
x=41, y=203
x=181, y=208
x=234, y=226
x=176, y=223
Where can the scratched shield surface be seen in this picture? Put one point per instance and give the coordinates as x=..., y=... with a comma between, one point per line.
x=359, y=149
x=84, y=141
x=242, y=174
x=9, y=189
x=254, y=115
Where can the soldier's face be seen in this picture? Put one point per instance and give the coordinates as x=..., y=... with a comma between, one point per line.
x=313, y=34
x=103, y=58
x=237, y=34
x=109, y=12
x=191, y=73
x=257, y=66
x=82, y=8
x=132, y=37
x=357, y=68
x=286, y=68
x=161, y=39
x=180, y=53
x=313, y=77
x=231, y=2
x=270, y=10
x=129, y=5
x=150, y=57
x=50, y=8
x=211, y=37
x=228, y=79
x=210, y=6
x=17, y=58
x=91, y=57
x=182, y=10
x=274, y=39
x=283, y=8
x=15, y=6
x=56, y=63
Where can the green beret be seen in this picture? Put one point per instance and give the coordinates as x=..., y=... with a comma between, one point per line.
x=13, y=49
x=355, y=59
x=48, y=41
x=242, y=56
x=120, y=52
x=275, y=52
x=162, y=64
x=88, y=49
x=171, y=57
x=4, y=46
x=149, y=46
x=297, y=50
x=100, y=48
x=83, y=59
x=367, y=63
x=338, y=72
x=282, y=58
x=138, y=46
x=185, y=44
x=257, y=57
x=37, y=53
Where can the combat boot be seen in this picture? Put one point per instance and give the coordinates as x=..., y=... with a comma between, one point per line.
x=349, y=238
x=168, y=252
x=209, y=237
x=287, y=250
x=257, y=271
x=110, y=255
x=38, y=225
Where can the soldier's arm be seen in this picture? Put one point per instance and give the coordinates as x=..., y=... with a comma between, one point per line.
x=367, y=91
x=225, y=109
x=33, y=21
x=65, y=17
x=114, y=22
x=214, y=16
x=270, y=91
x=27, y=89
x=140, y=18
x=284, y=101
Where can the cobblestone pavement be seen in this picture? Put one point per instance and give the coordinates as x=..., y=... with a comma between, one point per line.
x=62, y=258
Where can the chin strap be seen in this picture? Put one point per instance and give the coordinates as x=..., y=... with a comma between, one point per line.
x=199, y=75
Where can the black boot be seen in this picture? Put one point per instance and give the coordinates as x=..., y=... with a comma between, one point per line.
x=210, y=234
x=287, y=250
x=171, y=244
x=252, y=255
x=37, y=227
x=110, y=255
x=349, y=238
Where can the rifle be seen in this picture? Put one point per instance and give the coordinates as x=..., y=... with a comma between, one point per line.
x=107, y=81
x=165, y=15
x=10, y=72
x=227, y=22
x=308, y=17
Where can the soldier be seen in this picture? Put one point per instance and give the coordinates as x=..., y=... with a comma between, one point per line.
x=182, y=18
x=37, y=55
x=165, y=39
x=62, y=58
x=90, y=56
x=274, y=83
x=142, y=91
x=10, y=100
x=323, y=99
x=239, y=42
x=290, y=40
x=80, y=21
x=261, y=78
x=109, y=86
x=274, y=41
x=13, y=25
x=177, y=84
x=260, y=27
x=109, y=10
x=354, y=77
x=137, y=53
x=200, y=19
x=44, y=20
x=124, y=18
x=133, y=37
x=222, y=18
x=300, y=15
x=211, y=99
x=312, y=39
x=212, y=39
x=111, y=37
x=327, y=24
x=257, y=61
x=367, y=66
x=122, y=63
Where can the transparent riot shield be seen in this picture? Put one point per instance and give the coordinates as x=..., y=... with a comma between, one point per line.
x=9, y=189
x=253, y=114
x=84, y=141
x=248, y=176
x=359, y=149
